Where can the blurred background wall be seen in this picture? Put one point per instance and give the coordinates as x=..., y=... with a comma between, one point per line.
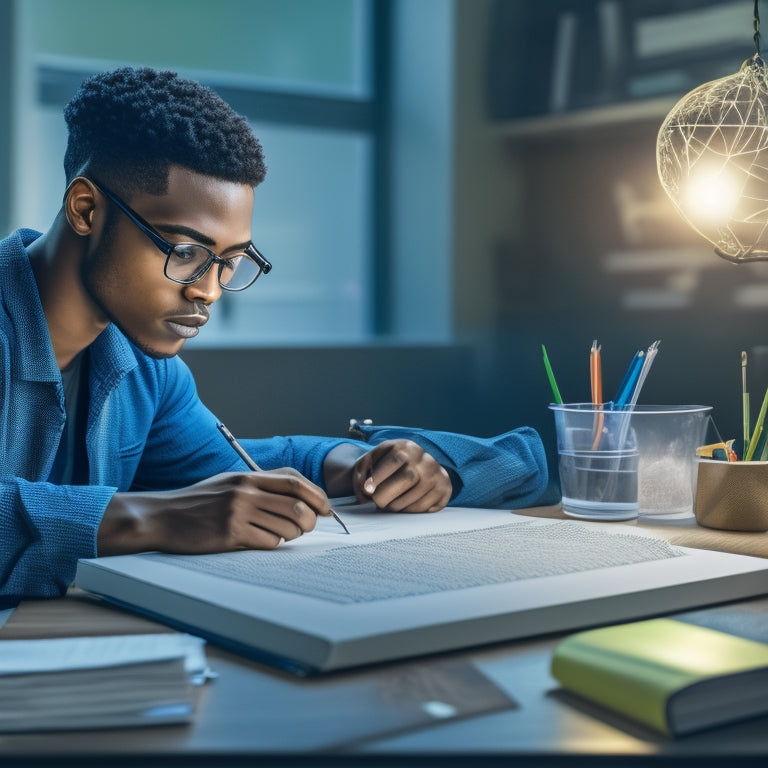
x=451, y=184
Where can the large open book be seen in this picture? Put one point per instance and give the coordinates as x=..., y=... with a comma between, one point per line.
x=407, y=585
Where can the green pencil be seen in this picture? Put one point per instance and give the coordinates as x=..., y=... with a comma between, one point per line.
x=551, y=377
x=758, y=429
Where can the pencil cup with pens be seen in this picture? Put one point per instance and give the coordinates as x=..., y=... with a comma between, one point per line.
x=618, y=460
x=732, y=493
x=597, y=461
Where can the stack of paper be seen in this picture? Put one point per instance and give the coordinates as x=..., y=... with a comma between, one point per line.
x=98, y=682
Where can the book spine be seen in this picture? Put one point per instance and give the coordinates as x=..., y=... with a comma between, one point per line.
x=618, y=683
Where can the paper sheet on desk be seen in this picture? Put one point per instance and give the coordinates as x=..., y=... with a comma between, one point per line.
x=372, y=565
x=387, y=701
x=73, y=653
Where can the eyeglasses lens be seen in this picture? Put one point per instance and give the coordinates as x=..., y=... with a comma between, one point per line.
x=188, y=262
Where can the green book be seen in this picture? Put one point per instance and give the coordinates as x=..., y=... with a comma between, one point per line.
x=675, y=677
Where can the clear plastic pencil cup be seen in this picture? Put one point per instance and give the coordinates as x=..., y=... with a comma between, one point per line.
x=620, y=464
x=597, y=462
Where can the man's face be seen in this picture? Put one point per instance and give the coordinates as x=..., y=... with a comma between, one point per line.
x=123, y=272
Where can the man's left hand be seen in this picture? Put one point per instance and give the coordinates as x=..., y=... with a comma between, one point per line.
x=400, y=476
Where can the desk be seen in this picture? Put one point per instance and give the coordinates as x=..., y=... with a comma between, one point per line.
x=255, y=715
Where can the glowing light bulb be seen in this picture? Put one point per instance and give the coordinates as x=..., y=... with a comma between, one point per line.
x=711, y=196
x=712, y=159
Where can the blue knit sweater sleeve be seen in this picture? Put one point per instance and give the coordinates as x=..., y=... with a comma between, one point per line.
x=44, y=529
x=184, y=446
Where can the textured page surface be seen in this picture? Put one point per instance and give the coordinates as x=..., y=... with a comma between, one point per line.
x=427, y=564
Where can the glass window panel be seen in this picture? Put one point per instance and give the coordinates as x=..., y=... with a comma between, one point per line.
x=44, y=186
x=302, y=44
x=311, y=220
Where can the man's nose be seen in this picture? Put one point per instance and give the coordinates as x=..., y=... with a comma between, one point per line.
x=206, y=290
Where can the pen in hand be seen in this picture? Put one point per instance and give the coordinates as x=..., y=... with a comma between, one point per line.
x=241, y=452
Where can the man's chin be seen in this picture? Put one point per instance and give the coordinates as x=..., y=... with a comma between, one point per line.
x=155, y=352
x=158, y=347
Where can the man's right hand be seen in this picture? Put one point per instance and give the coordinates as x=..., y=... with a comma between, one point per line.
x=231, y=511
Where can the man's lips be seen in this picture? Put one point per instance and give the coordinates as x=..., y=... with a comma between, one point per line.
x=187, y=326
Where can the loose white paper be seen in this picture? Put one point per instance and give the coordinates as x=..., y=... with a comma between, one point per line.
x=73, y=653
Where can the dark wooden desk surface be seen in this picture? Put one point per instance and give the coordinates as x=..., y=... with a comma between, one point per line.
x=252, y=714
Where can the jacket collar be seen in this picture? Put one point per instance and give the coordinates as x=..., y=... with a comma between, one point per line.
x=112, y=355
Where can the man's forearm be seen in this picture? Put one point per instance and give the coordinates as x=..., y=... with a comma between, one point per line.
x=127, y=526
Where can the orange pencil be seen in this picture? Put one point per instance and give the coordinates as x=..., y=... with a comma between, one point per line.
x=596, y=380
x=596, y=373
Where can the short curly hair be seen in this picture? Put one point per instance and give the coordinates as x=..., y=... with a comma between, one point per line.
x=129, y=125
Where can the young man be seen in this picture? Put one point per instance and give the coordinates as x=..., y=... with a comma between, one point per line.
x=106, y=448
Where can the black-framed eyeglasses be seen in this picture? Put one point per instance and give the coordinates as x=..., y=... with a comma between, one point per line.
x=187, y=263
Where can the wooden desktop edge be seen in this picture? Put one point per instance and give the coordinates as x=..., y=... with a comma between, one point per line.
x=79, y=614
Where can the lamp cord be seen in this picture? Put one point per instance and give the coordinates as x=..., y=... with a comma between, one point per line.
x=757, y=28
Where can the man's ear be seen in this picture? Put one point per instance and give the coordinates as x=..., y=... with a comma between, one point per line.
x=79, y=205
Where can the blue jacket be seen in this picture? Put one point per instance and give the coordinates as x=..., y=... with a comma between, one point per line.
x=147, y=429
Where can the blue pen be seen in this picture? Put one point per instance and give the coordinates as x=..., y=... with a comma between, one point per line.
x=630, y=379
x=650, y=356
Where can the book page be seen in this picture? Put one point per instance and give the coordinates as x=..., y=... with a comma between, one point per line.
x=430, y=563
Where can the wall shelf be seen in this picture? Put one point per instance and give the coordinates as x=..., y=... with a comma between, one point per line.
x=565, y=124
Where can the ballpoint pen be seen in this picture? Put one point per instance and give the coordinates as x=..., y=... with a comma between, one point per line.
x=241, y=452
x=627, y=385
x=650, y=356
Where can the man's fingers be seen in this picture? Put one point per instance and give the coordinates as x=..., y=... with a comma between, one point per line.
x=294, y=487
x=417, y=499
x=399, y=476
x=265, y=508
x=286, y=516
x=272, y=529
x=426, y=496
x=384, y=461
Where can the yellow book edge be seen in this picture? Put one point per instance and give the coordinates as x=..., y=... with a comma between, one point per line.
x=661, y=672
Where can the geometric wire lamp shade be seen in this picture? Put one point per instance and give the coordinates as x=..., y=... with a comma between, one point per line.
x=712, y=158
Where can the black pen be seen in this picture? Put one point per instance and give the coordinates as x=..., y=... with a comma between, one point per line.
x=256, y=468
